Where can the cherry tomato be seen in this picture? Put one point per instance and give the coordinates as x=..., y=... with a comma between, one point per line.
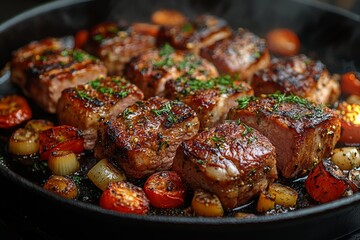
x=283, y=41
x=146, y=28
x=350, y=122
x=165, y=189
x=124, y=197
x=350, y=83
x=14, y=109
x=81, y=37
x=326, y=182
x=62, y=137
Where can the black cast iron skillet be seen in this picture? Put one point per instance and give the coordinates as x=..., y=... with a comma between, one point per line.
x=327, y=33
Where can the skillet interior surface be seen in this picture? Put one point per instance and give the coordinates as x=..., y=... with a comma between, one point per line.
x=326, y=33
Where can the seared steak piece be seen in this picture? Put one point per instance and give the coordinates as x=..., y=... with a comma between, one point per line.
x=20, y=58
x=194, y=34
x=242, y=53
x=115, y=45
x=143, y=139
x=231, y=160
x=302, y=132
x=298, y=75
x=47, y=73
x=152, y=69
x=86, y=106
x=211, y=98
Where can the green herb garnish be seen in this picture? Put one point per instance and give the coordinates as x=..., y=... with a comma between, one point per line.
x=166, y=110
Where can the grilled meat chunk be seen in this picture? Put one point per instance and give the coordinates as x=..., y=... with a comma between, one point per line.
x=46, y=74
x=298, y=75
x=152, y=69
x=194, y=34
x=211, y=99
x=302, y=132
x=242, y=53
x=20, y=58
x=115, y=45
x=86, y=106
x=143, y=139
x=231, y=160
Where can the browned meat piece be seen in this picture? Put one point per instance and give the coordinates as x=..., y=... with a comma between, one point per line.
x=151, y=70
x=231, y=160
x=47, y=73
x=242, y=53
x=85, y=106
x=193, y=35
x=115, y=45
x=302, y=132
x=298, y=75
x=211, y=99
x=20, y=59
x=144, y=138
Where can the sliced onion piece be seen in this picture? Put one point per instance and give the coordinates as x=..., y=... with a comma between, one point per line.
x=39, y=125
x=62, y=186
x=63, y=162
x=206, y=204
x=24, y=142
x=104, y=172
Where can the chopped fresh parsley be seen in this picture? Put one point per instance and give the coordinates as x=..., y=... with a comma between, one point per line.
x=244, y=101
x=223, y=83
x=82, y=94
x=165, y=55
x=166, y=110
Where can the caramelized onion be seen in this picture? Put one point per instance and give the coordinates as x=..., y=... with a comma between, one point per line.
x=62, y=186
x=103, y=172
x=63, y=162
x=24, y=142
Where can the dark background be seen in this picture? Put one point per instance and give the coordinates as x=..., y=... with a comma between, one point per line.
x=14, y=225
x=9, y=8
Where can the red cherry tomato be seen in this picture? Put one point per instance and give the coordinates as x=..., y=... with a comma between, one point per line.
x=326, y=182
x=283, y=42
x=350, y=83
x=124, y=197
x=350, y=122
x=165, y=189
x=81, y=37
x=62, y=137
x=14, y=109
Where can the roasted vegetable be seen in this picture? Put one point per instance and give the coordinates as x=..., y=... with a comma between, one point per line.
x=350, y=122
x=206, y=204
x=39, y=125
x=14, y=109
x=265, y=202
x=62, y=186
x=165, y=189
x=104, y=172
x=346, y=158
x=326, y=182
x=24, y=142
x=63, y=162
x=350, y=83
x=283, y=42
x=284, y=195
x=125, y=197
x=62, y=137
